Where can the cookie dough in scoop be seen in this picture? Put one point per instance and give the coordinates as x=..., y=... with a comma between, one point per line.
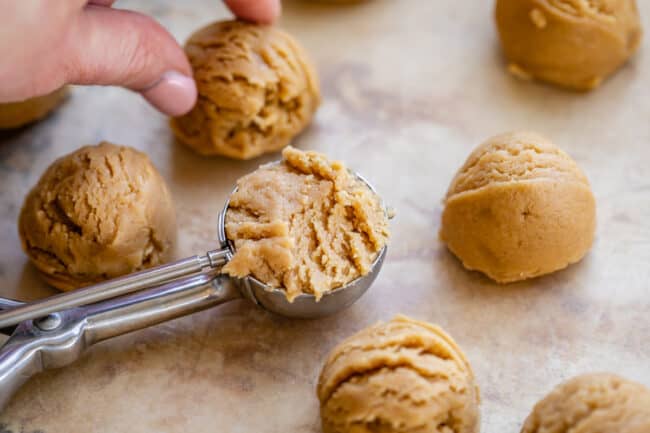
x=306, y=225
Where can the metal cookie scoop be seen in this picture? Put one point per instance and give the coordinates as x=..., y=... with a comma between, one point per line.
x=53, y=332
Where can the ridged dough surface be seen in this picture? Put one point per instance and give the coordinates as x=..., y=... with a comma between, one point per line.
x=592, y=403
x=97, y=213
x=397, y=377
x=257, y=90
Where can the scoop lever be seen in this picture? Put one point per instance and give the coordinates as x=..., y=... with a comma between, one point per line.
x=113, y=288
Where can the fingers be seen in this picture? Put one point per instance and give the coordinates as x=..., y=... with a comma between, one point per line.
x=115, y=47
x=261, y=11
x=108, y=46
x=173, y=94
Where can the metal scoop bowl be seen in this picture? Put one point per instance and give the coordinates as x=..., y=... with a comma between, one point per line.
x=53, y=332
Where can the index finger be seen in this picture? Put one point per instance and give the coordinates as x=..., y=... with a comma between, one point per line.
x=259, y=11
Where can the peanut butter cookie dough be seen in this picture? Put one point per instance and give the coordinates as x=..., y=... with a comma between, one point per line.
x=97, y=213
x=398, y=377
x=592, y=403
x=571, y=43
x=306, y=225
x=257, y=90
x=519, y=208
x=17, y=114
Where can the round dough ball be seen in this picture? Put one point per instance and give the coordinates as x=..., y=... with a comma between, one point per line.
x=400, y=376
x=17, y=114
x=97, y=213
x=257, y=90
x=519, y=208
x=571, y=43
x=592, y=403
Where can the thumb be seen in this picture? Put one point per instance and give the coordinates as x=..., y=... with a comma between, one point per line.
x=108, y=46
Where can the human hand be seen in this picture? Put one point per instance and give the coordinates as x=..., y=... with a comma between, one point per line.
x=45, y=44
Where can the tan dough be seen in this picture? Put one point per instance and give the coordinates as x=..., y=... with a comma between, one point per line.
x=97, y=213
x=592, y=403
x=306, y=225
x=17, y=114
x=403, y=376
x=257, y=90
x=519, y=208
x=571, y=43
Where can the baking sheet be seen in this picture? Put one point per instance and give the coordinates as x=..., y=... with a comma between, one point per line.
x=410, y=87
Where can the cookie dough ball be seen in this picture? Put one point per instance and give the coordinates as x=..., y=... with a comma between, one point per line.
x=398, y=377
x=17, y=114
x=571, y=43
x=306, y=225
x=257, y=90
x=592, y=403
x=519, y=208
x=97, y=213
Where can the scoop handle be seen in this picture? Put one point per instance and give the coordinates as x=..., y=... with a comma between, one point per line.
x=112, y=288
x=59, y=339
x=140, y=310
x=17, y=364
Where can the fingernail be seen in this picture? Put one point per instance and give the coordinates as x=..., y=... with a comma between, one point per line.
x=276, y=9
x=104, y=3
x=173, y=94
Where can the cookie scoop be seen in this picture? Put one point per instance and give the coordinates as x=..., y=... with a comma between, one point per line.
x=53, y=332
x=257, y=90
x=401, y=376
x=592, y=403
x=571, y=43
x=518, y=208
x=97, y=213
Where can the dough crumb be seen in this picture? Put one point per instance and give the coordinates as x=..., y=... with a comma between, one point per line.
x=538, y=18
x=519, y=72
x=306, y=225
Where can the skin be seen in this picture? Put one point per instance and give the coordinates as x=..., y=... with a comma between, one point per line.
x=46, y=44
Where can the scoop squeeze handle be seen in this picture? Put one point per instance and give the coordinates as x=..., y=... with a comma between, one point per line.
x=112, y=288
x=59, y=339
